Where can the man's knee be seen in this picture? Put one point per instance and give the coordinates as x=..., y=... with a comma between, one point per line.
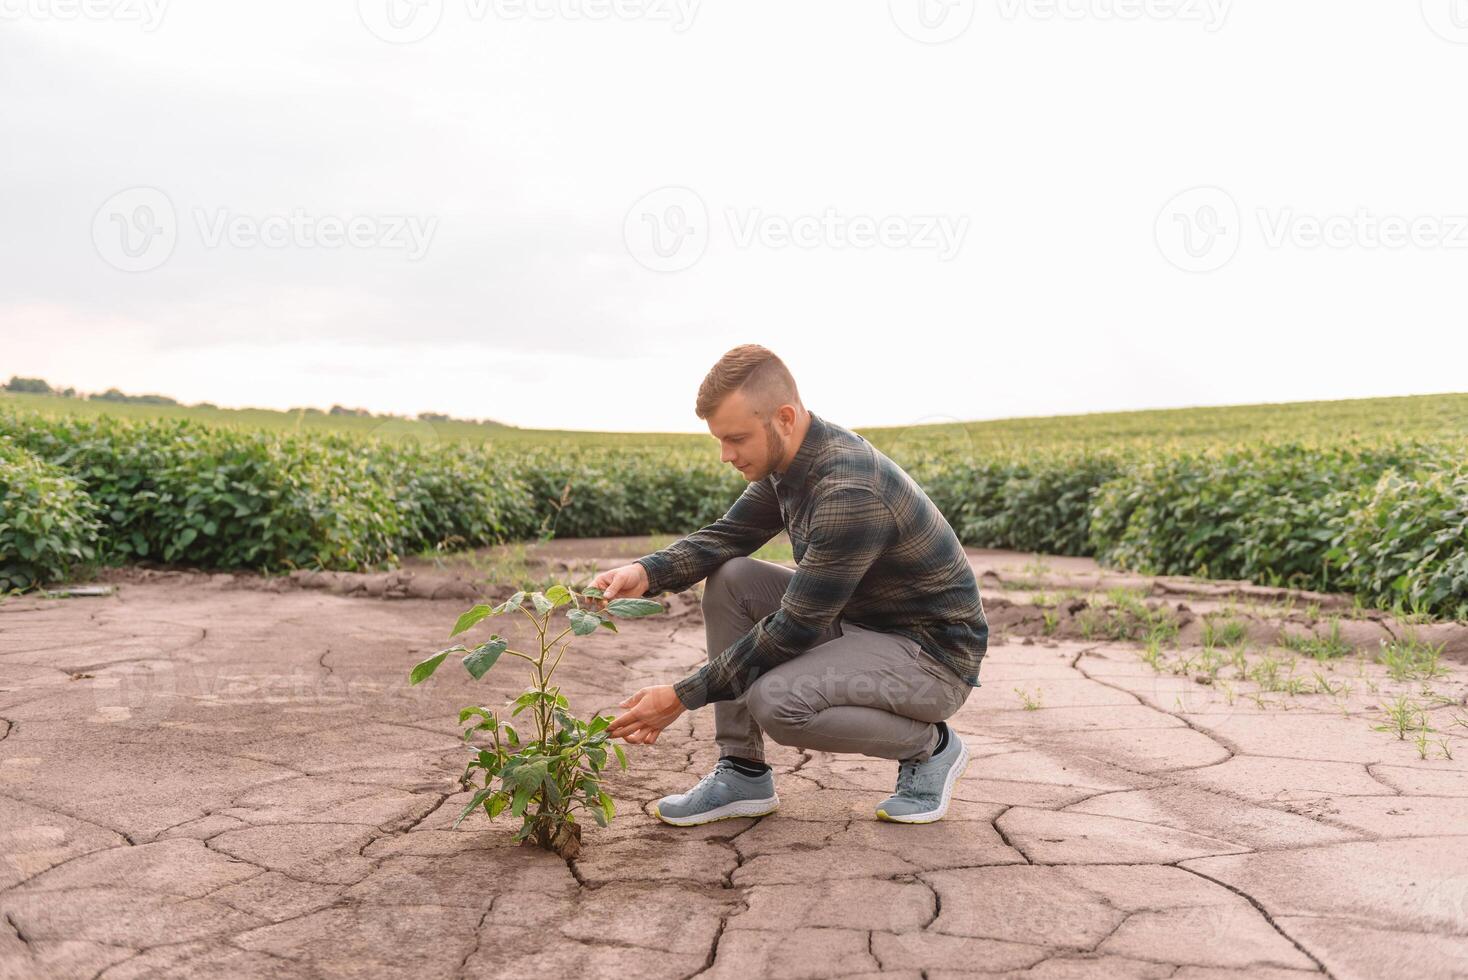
x=780, y=712
x=721, y=581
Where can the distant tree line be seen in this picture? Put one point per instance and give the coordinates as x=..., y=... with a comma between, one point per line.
x=39, y=386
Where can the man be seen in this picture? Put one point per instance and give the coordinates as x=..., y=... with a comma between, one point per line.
x=867, y=646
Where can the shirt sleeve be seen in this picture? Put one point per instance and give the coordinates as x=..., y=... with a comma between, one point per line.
x=849, y=530
x=753, y=519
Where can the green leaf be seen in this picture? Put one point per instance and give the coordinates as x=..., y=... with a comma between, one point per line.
x=633, y=608
x=425, y=669
x=527, y=699
x=487, y=759
x=509, y=603
x=471, y=617
x=467, y=713
x=607, y=807
x=474, y=804
x=591, y=591
x=522, y=797
x=583, y=621
x=498, y=804
x=478, y=661
x=621, y=756
x=526, y=774
x=541, y=603
x=559, y=595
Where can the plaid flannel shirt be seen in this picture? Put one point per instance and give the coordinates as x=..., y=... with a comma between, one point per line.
x=870, y=547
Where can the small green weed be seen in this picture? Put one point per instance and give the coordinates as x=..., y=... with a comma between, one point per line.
x=1224, y=633
x=1322, y=648
x=1411, y=658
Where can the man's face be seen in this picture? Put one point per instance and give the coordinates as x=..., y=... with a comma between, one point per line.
x=752, y=446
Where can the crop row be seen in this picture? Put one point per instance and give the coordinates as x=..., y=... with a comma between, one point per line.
x=1387, y=520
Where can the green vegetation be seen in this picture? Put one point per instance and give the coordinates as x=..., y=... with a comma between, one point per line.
x=47, y=522
x=1124, y=615
x=1223, y=632
x=1411, y=658
x=1320, y=647
x=1420, y=416
x=1030, y=702
x=1403, y=716
x=544, y=780
x=183, y=493
x=1269, y=493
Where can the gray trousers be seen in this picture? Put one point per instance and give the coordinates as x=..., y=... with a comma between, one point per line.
x=855, y=690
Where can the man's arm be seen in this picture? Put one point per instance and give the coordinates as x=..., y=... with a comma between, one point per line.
x=850, y=528
x=753, y=520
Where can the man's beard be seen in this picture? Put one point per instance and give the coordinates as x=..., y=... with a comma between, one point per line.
x=774, y=448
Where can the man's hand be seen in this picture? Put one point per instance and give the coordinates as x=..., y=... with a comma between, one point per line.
x=653, y=709
x=627, y=580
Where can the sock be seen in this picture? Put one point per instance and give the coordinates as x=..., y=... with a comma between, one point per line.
x=942, y=738
x=747, y=766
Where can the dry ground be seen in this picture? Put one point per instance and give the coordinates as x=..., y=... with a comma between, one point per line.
x=227, y=776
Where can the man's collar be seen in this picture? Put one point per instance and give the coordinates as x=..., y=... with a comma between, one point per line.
x=795, y=475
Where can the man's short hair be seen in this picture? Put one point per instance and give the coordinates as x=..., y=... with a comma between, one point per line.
x=763, y=378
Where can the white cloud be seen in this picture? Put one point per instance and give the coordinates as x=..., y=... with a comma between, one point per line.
x=528, y=139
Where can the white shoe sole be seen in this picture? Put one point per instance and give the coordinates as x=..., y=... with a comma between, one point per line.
x=930, y=816
x=739, y=808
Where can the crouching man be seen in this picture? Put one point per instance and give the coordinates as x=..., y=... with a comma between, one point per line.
x=867, y=646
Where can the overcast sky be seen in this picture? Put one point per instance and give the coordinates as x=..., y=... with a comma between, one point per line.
x=561, y=212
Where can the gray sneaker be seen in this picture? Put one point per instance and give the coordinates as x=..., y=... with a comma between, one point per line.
x=724, y=793
x=923, y=788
